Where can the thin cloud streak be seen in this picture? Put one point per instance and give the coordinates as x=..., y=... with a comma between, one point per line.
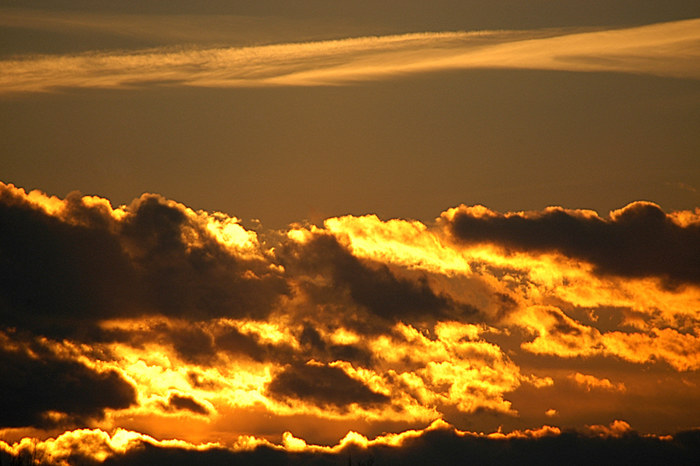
x=666, y=49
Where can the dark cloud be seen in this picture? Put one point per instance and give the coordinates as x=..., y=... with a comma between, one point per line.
x=442, y=446
x=34, y=387
x=237, y=343
x=313, y=346
x=637, y=241
x=192, y=343
x=179, y=402
x=200, y=280
x=446, y=447
x=188, y=339
x=147, y=455
x=201, y=342
x=56, y=276
x=197, y=345
x=372, y=286
x=323, y=385
x=317, y=348
x=61, y=274
x=202, y=381
x=561, y=325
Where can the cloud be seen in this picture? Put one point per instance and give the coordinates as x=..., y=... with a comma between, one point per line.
x=665, y=49
x=94, y=446
x=80, y=262
x=188, y=271
x=334, y=346
x=323, y=385
x=591, y=382
x=183, y=324
x=372, y=286
x=439, y=443
x=40, y=389
x=237, y=343
x=616, y=428
x=558, y=334
x=181, y=402
x=639, y=240
x=56, y=274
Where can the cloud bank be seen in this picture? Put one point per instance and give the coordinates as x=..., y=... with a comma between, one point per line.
x=439, y=442
x=639, y=240
x=126, y=326
x=665, y=49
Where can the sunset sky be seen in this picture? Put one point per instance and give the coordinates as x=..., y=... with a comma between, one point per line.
x=339, y=232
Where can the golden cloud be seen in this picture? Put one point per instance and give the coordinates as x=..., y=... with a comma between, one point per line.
x=665, y=49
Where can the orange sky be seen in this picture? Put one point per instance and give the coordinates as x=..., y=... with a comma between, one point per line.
x=283, y=113
x=343, y=232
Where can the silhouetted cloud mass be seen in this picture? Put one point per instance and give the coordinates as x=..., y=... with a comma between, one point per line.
x=448, y=449
x=56, y=277
x=324, y=385
x=46, y=391
x=70, y=271
x=435, y=446
x=372, y=286
x=639, y=240
x=151, y=333
x=176, y=401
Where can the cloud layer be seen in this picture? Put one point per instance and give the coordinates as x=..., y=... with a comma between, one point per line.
x=665, y=49
x=439, y=443
x=179, y=324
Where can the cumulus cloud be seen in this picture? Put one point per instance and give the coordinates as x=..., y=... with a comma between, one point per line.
x=41, y=389
x=346, y=348
x=639, y=240
x=180, y=402
x=665, y=49
x=87, y=262
x=57, y=274
x=373, y=287
x=591, y=382
x=439, y=442
x=324, y=385
x=556, y=333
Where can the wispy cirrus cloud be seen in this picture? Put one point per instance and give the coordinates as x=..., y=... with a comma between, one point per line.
x=666, y=49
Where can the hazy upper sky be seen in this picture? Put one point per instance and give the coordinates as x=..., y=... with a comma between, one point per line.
x=404, y=141
x=177, y=315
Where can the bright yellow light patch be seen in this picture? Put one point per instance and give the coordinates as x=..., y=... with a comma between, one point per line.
x=401, y=242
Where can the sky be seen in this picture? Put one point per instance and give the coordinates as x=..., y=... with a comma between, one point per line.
x=350, y=232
